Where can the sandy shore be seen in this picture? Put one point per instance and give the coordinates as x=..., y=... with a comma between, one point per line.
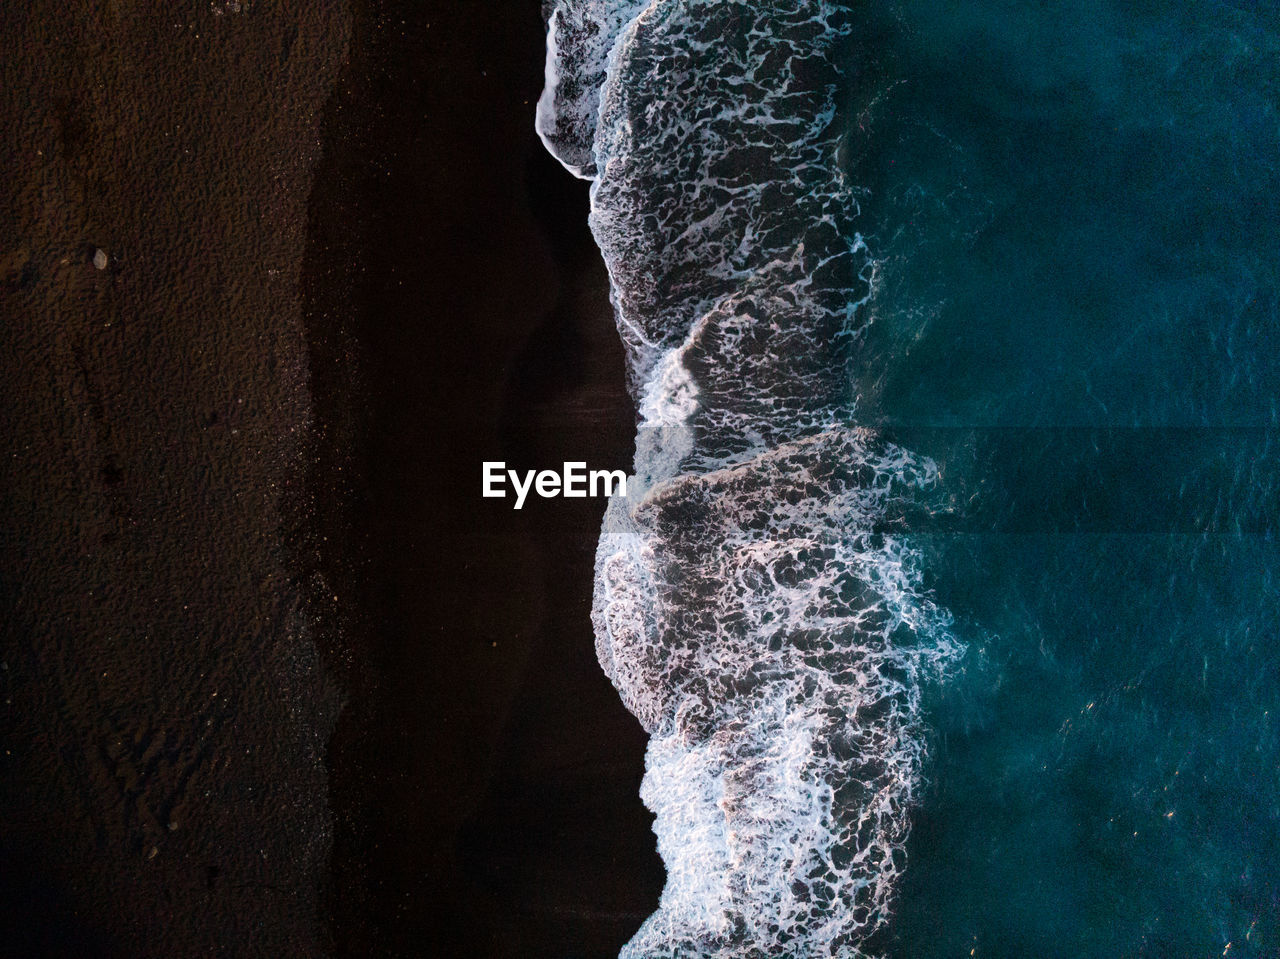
x=484, y=774
x=165, y=714
x=278, y=278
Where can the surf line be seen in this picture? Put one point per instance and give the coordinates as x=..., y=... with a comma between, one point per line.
x=573, y=481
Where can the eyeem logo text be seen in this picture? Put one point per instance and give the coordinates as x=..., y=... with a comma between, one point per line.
x=573, y=480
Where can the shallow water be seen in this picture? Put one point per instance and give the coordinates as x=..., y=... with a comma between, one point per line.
x=946, y=588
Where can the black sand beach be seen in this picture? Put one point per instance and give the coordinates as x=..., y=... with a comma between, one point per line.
x=484, y=774
x=242, y=490
x=165, y=715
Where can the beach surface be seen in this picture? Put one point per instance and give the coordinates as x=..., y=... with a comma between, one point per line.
x=276, y=680
x=484, y=774
x=165, y=710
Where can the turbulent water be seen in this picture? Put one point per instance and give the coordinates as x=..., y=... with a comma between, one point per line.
x=756, y=606
x=954, y=339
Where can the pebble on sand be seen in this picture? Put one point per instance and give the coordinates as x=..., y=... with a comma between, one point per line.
x=100, y=260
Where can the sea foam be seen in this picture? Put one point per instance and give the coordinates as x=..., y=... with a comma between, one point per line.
x=758, y=604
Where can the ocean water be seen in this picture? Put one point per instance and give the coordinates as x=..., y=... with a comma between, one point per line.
x=947, y=582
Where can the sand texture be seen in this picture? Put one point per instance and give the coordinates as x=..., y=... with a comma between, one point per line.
x=485, y=775
x=165, y=712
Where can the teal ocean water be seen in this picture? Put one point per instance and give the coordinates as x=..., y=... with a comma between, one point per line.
x=1076, y=210
x=947, y=583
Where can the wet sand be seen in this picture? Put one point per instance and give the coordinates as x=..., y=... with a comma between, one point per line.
x=484, y=774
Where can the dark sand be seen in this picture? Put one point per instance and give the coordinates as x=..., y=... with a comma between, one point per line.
x=241, y=486
x=162, y=791
x=485, y=775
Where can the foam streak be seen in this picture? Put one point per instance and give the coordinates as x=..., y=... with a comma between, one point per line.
x=750, y=607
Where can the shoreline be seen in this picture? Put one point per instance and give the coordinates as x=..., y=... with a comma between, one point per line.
x=483, y=775
x=278, y=679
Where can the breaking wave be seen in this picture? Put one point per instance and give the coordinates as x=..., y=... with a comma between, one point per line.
x=758, y=603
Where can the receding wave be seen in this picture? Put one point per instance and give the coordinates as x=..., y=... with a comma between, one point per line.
x=758, y=604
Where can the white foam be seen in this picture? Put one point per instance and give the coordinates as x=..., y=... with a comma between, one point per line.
x=580, y=36
x=747, y=606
